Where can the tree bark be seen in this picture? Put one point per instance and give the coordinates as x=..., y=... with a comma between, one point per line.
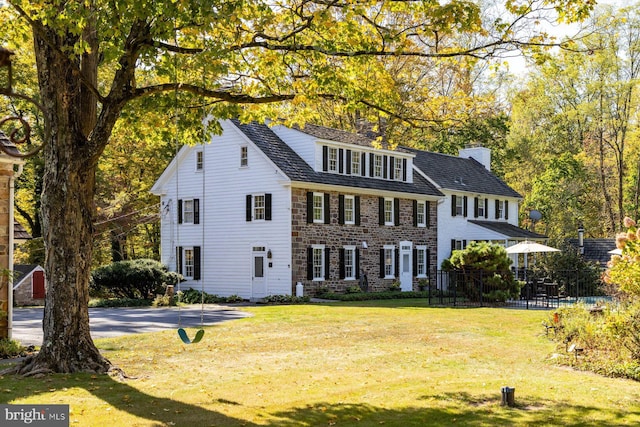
x=67, y=209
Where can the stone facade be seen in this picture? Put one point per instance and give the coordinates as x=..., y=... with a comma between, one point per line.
x=23, y=295
x=334, y=236
x=6, y=173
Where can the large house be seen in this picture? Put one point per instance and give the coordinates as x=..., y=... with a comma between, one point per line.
x=266, y=210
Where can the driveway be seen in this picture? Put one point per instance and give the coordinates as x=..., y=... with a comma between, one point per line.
x=113, y=322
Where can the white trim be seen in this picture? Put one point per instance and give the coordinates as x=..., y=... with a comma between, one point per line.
x=353, y=262
x=393, y=250
x=322, y=260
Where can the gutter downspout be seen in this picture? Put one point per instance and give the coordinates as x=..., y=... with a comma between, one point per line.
x=10, y=249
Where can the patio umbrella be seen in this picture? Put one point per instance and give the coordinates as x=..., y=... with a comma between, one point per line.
x=528, y=247
x=616, y=252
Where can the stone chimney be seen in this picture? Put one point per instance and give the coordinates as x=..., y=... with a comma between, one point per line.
x=479, y=153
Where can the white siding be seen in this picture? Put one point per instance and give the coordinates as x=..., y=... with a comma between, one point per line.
x=224, y=235
x=304, y=145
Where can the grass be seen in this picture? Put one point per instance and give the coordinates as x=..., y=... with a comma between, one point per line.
x=392, y=363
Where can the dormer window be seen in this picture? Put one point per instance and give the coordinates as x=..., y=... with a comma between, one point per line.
x=333, y=159
x=398, y=169
x=355, y=163
x=377, y=166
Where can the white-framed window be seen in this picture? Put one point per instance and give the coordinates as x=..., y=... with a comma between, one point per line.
x=318, y=208
x=421, y=214
x=332, y=159
x=481, y=207
x=500, y=212
x=188, y=263
x=377, y=166
x=389, y=261
x=421, y=261
x=458, y=245
x=460, y=205
x=388, y=212
x=187, y=212
x=199, y=160
x=355, y=163
x=350, y=263
x=244, y=156
x=259, y=207
x=349, y=210
x=318, y=262
x=397, y=168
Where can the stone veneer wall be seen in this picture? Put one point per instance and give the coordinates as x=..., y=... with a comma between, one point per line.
x=6, y=173
x=335, y=236
x=23, y=295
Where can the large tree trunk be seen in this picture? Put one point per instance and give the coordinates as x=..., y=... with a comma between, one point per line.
x=67, y=208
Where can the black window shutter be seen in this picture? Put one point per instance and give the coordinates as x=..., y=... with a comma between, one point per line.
x=267, y=207
x=497, y=209
x=196, y=211
x=385, y=162
x=348, y=169
x=248, y=208
x=309, y=207
x=415, y=213
x=396, y=211
x=327, y=264
x=506, y=209
x=453, y=245
x=464, y=205
x=197, y=262
x=392, y=161
x=415, y=262
x=363, y=163
x=381, y=210
x=464, y=244
x=453, y=205
x=341, y=160
x=356, y=209
x=309, y=263
x=327, y=210
x=325, y=158
x=179, y=259
x=371, y=164
x=357, y=266
x=428, y=262
x=341, y=252
x=397, y=263
x=381, y=263
x=476, y=201
x=427, y=208
x=179, y=211
x=404, y=170
x=486, y=208
x=340, y=209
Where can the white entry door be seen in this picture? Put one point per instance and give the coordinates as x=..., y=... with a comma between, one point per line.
x=406, y=266
x=258, y=272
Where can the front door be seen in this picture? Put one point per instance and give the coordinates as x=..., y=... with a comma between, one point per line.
x=258, y=272
x=406, y=264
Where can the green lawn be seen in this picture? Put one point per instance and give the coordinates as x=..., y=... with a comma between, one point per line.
x=393, y=363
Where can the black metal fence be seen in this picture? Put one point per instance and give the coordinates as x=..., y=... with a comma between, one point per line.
x=531, y=289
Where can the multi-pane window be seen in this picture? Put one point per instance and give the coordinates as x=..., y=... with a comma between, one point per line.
x=349, y=210
x=397, y=168
x=318, y=207
x=458, y=245
x=333, y=159
x=259, y=207
x=244, y=156
x=355, y=163
x=421, y=261
x=188, y=262
x=421, y=214
x=187, y=211
x=199, y=160
x=460, y=205
x=389, y=261
x=388, y=212
x=500, y=207
x=481, y=210
x=350, y=262
x=318, y=263
x=377, y=166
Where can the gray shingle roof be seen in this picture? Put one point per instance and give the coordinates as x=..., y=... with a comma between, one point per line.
x=460, y=174
x=596, y=250
x=298, y=170
x=509, y=230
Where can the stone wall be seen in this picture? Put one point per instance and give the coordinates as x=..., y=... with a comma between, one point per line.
x=6, y=173
x=335, y=236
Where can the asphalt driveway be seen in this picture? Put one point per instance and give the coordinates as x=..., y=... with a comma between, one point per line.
x=113, y=322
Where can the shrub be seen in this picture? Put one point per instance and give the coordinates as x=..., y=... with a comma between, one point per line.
x=163, y=301
x=10, y=348
x=141, y=278
x=285, y=299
